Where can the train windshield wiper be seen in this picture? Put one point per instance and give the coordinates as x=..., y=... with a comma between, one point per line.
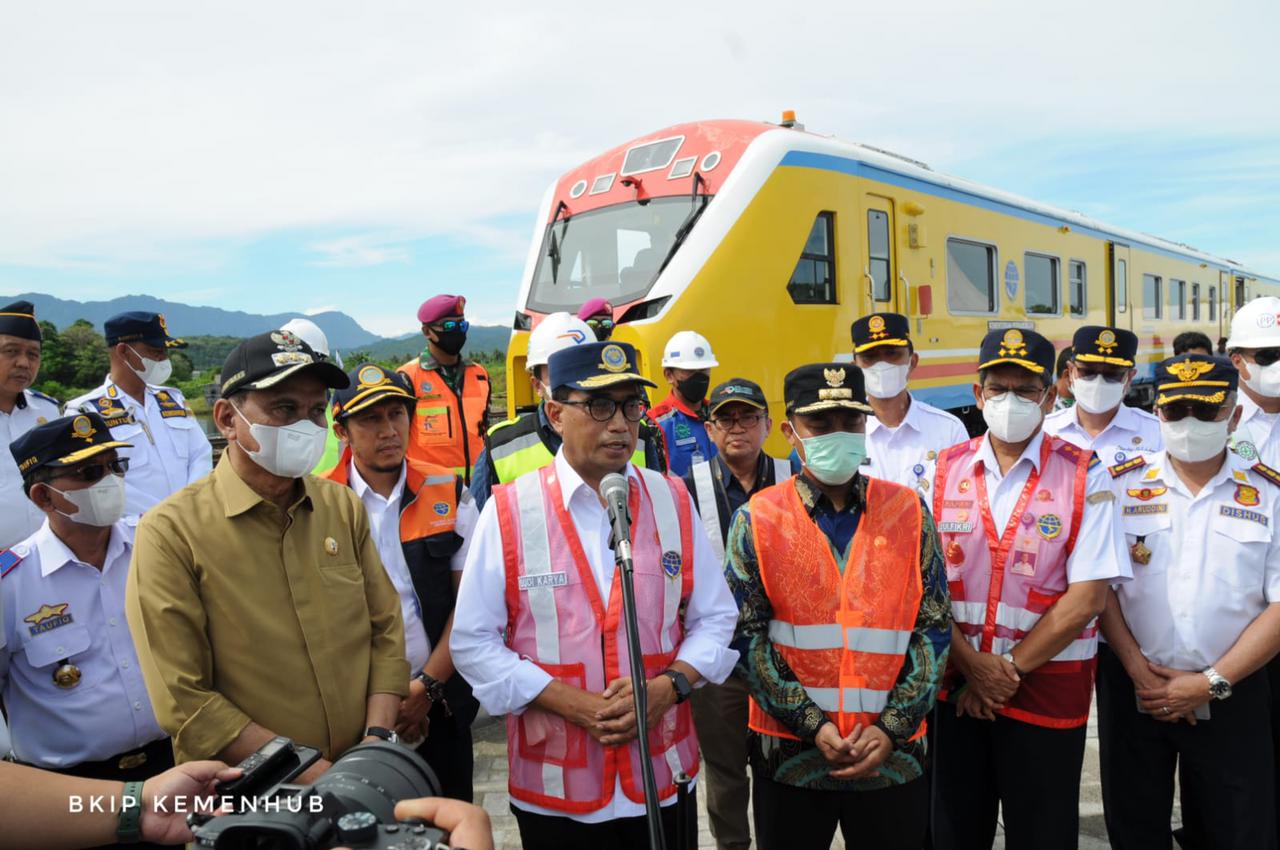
x=553, y=247
x=699, y=204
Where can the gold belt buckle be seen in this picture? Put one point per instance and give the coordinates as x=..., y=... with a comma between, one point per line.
x=131, y=761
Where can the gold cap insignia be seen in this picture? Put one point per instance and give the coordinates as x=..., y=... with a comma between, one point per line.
x=835, y=377
x=876, y=326
x=1013, y=345
x=1189, y=370
x=82, y=428
x=286, y=340
x=372, y=376
x=613, y=358
x=331, y=546
x=1106, y=341
x=164, y=327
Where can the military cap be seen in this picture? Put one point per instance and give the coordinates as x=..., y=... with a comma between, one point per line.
x=1195, y=377
x=19, y=319
x=880, y=329
x=63, y=442
x=824, y=386
x=738, y=389
x=595, y=365
x=140, y=326
x=1027, y=349
x=265, y=360
x=371, y=384
x=441, y=307
x=1101, y=344
x=594, y=307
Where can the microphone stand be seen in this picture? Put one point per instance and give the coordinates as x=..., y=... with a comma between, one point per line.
x=620, y=540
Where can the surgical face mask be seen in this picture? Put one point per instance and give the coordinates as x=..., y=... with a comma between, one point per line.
x=694, y=388
x=1263, y=380
x=451, y=342
x=1191, y=440
x=834, y=458
x=288, y=451
x=153, y=372
x=100, y=505
x=1012, y=418
x=886, y=380
x=1096, y=394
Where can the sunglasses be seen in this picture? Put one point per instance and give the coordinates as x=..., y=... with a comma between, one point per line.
x=1179, y=410
x=1266, y=356
x=600, y=324
x=95, y=473
x=451, y=325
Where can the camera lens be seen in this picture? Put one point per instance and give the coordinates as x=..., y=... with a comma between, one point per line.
x=374, y=777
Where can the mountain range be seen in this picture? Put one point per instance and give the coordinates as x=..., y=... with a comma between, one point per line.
x=344, y=333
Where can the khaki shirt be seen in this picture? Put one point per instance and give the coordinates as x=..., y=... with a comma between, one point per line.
x=239, y=615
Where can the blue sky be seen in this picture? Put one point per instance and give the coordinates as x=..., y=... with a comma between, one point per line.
x=302, y=156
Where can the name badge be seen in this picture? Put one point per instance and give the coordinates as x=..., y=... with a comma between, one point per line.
x=1139, y=510
x=955, y=527
x=688, y=441
x=1241, y=513
x=544, y=580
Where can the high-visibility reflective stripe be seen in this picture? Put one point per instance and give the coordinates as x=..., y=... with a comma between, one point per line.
x=781, y=469
x=883, y=641
x=537, y=561
x=1012, y=617
x=432, y=480
x=708, y=507
x=1080, y=649
x=553, y=779
x=519, y=444
x=672, y=755
x=668, y=522
x=855, y=699
x=831, y=636
x=973, y=613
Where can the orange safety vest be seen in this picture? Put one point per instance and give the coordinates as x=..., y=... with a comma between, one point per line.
x=844, y=636
x=448, y=430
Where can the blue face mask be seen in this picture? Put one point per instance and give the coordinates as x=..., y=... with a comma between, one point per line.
x=834, y=458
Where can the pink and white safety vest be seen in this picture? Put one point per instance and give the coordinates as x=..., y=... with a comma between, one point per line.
x=557, y=619
x=1002, y=581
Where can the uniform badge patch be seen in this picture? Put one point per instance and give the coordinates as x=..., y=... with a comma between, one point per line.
x=1132, y=463
x=671, y=563
x=1246, y=450
x=1049, y=526
x=441, y=508
x=1120, y=457
x=331, y=546
x=1241, y=513
x=46, y=618
x=1044, y=496
x=1142, y=510
x=1146, y=494
x=965, y=485
x=955, y=527
x=918, y=469
x=1246, y=495
x=955, y=553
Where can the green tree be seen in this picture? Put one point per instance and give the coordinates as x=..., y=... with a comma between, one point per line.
x=88, y=360
x=182, y=367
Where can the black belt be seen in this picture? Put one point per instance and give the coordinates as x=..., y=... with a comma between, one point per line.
x=134, y=765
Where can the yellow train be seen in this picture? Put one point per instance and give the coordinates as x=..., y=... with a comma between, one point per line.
x=771, y=240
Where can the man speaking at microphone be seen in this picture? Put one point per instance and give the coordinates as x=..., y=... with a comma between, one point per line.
x=539, y=628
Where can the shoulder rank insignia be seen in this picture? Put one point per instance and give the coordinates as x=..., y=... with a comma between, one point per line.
x=1128, y=466
x=1266, y=472
x=1094, y=460
x=8, y=560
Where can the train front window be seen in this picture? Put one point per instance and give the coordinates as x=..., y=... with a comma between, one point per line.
x=615, y=252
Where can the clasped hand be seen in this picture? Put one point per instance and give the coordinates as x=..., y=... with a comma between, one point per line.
x=610, y=717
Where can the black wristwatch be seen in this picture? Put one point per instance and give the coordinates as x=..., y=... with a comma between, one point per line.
x=683, y=689
x=383, y=733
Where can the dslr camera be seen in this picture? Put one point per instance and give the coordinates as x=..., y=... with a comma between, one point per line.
x=351, y=805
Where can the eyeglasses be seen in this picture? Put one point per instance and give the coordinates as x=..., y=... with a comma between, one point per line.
x=1086, y=373
x=602, y=409
x=451, y=325
x=1266, y=356
x=1180, y=410
x=95, y=473
x=600, y=324
x=746, y=420
x=1028, y=393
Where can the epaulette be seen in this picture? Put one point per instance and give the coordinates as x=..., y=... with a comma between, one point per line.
x=8, y=560
x=47, y=398
x=1128, y=466
x=1094, y=460
x=1266, y=472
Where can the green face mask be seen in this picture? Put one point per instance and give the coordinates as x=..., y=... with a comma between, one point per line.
x=834, y=458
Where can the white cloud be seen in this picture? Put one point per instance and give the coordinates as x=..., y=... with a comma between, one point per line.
x=359, y=252
x=327, y=308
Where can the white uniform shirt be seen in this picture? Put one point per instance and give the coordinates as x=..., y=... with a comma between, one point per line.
x=1257, y=428
x=384, y=524
x=505, y=683
x=1130, y=433
x=56, y=608
x=170, y=449
x=1214, y=564
x=19, y=519
x=907, y=454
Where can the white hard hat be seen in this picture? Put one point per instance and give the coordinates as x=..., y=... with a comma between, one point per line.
x=310, y=333
x=688, y=350
x=1256, y=324
x=554, y=333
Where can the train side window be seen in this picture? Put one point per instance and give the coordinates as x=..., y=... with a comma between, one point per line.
x=1041, y=292
x=1213, y=303
x=1077, y=289
x=1177, y=299
x=1151, y=308
x=1122, y=286
x=813, y=281
x=1195, y=302
x=971, y=277
x=878, y=255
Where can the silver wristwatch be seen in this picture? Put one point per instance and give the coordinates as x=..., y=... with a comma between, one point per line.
x=1008, y=656
x=1219, y=687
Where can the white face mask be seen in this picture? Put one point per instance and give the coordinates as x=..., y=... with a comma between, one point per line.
x=153, y=372
x=1263, y=380
x=1012, y=418
x=288, y=451
x=1096, y=394
x=1191, y=440
x=886, y=380
x=100, y=505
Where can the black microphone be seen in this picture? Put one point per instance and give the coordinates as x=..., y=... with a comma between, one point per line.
x=615, y=491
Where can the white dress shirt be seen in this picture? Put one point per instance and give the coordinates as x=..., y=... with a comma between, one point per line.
x=19, y=519
x=170, y=449
x=1214, y=563
x=56, y=608
x=1130, y=432
x=505, y=683
x=1100, y=551
x=907, y=454
x=1258, y=428
x=384, y=523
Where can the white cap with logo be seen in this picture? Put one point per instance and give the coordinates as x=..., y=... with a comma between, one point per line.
x=688, y=350
x=1256, y=324
x=555, y=333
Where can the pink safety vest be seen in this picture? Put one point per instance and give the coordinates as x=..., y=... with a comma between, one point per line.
x=1003, y=580
x=557, y=619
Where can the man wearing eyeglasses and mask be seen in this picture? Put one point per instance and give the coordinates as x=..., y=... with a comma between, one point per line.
x=257, y=598
x=1032, y=543
x=73, y=689
x=1188, y=637
x=453, y=393
x=539, y=632
x=1101, y=369
x=169, y=447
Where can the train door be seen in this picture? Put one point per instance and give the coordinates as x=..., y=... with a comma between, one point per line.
x=1119, y=302
x=881, y=271
x=1224, y=300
